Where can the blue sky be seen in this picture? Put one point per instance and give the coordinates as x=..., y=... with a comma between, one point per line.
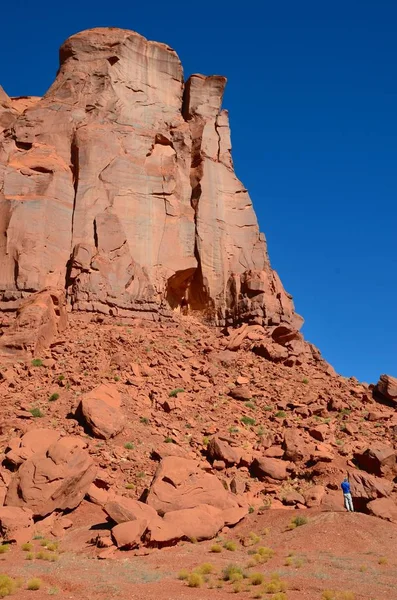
x=312, y=95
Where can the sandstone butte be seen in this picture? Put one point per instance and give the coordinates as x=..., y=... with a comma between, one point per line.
x=118, y=187
x=129, y=420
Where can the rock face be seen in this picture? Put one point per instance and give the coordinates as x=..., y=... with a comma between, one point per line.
x=53, y=480
x=101, y=412
x=118, y=186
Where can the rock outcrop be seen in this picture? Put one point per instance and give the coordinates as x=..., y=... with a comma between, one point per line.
x=118, y=187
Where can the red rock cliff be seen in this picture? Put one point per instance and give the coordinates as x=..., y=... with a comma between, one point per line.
x=118, y=186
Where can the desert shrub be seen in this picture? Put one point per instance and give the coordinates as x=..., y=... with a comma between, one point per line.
x=37, y=362
x=183, y=574
x=257, y=578
x=144, y=420
x=230, y=545
x=28, y=547
x=169, y=440
x=174, y=393
x=195, y=580
x=44, y=542
x=254, y=538
x=382, y=560
x=34, y=584
x=8, y=585
x=265, y=551
x=305, y=380
x=258, y=594
x=247, y=420
x=250, y=405
x=279, y=596
x=216, y=548
x=297, y=522
x=53, y=397
x=36, y=413
x=29, y=556
x=52, y=546
x=280, y=414
x=205, y=569
x=129, y=446
x=4, y=548
x=206, y=441
x=230, y=572
x=129, y=486
x=237, y=587
x=333, y=595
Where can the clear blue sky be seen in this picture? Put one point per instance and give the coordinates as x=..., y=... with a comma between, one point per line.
x=312, y=96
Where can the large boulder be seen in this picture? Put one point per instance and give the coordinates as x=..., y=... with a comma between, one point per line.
x=366, y=487
x=101, y=411
x=384, y=508
x=39, y=320
x=263, y=467
x=202, y=522
x=36, y=440
x=379, y=460
x=386, y=389
x=121, y=510
x=127, y=535
x=294, y=446
x=57, y=479
x=220, y=449
x=179, y=483
x=16, y=524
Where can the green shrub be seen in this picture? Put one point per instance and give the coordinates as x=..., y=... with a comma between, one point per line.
x=248, y=420
x=250, y=405
x=169, y=440
x=36, y=413
x=129, y=446
x=183, y=574
x=53, y=397
x=34, y=584
x=216, y=548
x=174, y=394
x=280, y=414
x=4, y=548
x=231, y=546
x=298, y=521
x=29, y=556
x=195, y=580
x=8, y=586
x=37, y=362
x=28, y=547
x=231, y=572
x=129, y=486
x=205, y=569
x=305, y=380
x=257, y=578
x=144, y=420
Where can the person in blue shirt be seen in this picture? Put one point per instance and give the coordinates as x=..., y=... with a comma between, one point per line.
x=347, y=496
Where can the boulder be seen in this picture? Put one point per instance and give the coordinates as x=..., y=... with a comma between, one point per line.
x=220, y=449
x=39, y=320
x=294, y=446
x=314, y=496
x=160, y=534
x=264, y=466
x=57, y=479
x=16, y=524
x=384, y=508
x=179, y=483
x=127, y=535
x=241, y=392
x=379, y=460
x=121, y=510
x=36, y=440
x=365, y=487
x=202, y=522
x=386, y=389
x=101, y=412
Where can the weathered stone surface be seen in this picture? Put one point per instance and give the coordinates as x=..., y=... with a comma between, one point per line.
x=294, y=445
x=55, y=480
x=15, y=523
x=39, y=320
x=121, y=510
x=134, y=167
x=384, y=508
x=128, y=535
x=201, y=522
x=269, y=467
x=221, y=450
x=386, y=389
x=35, y=440
x=179, y=484
x=379, y=460
x=101, y=412
x=367, y=487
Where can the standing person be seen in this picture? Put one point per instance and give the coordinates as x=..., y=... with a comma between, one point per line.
x=347, y=496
